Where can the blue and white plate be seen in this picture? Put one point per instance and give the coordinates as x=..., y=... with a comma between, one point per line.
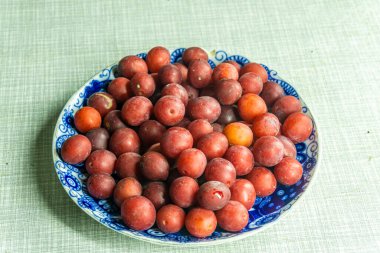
x=266, y=210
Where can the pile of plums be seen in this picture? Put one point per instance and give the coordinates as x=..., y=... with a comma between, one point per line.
x=183, y=145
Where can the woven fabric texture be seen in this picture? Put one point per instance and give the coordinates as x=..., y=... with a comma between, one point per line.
x=329, y=50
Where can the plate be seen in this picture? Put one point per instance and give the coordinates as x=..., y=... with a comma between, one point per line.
x=266, y=211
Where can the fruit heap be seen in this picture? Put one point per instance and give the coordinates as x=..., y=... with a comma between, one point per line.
x=182, y=145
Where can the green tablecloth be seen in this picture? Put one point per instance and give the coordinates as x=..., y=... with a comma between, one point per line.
x=329, y=50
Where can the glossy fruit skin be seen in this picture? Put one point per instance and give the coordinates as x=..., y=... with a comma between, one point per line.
x=177, y=90
x=170, y=218
x=156, y=58
x=86, y=119
x=266, y=124
x=204, y=108
x=99, y=138
x=297, y=127
x=154, y=166
x=157, y=193
x=222, y=170
x=112, y=121
x=183, y=191
x=250, y=106
x=191, y=91
x=191, y=162
x=285, y=106
x=235, y=64
x=242, y=159
x=290, y=149
x=213, y=145
x=124, y=140
x=194, y=53
x=251, y=83
x=199, y=128
x=233, y=217
x=228, y=115
x=244, y=192
x=256, y=69
x=175, y=140
x=127, y=165
x=183, y=69
x=288, y=171
x=100, y=161
x=136, y=110
x=126, y=188
x=199, y=74
x=76, y=149
x=143, y=84
x=238, y=134
x=138, y=213
x=200, y=222
x=151, y=132
x=103, y=102
x=155, y=147
x=120, y=89
x=100, y=186
x=169, y=74
x=228, y=91
x=225, y=71
x=271, y=92
x=213, y=195
x=263, y=181
x=268, y=151
x=130, y=65
x=169, y=110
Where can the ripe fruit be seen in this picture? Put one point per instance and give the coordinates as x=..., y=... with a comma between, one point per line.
x=238, y=134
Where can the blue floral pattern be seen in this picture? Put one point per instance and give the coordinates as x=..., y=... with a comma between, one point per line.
x=265, y=211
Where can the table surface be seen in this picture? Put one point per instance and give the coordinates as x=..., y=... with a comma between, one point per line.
x=329, y=50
